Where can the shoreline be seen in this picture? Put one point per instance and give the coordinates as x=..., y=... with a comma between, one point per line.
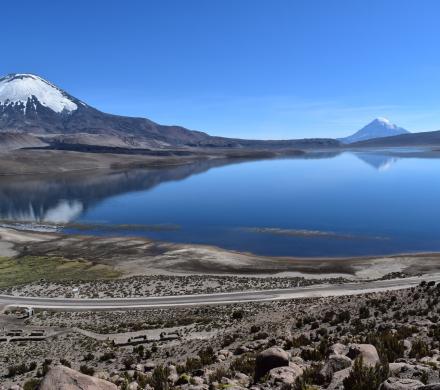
x=137, y=256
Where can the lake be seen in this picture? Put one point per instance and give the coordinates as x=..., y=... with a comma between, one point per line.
x=326, y=205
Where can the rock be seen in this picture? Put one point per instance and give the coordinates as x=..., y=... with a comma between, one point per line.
x=173, y=375
x=285, y=375
x=133, y=386
x=242, y=379
x=335, y=363
x=64, y=378
x=433, y=386
x=130, y=373
x=241, y=350
x=197, y=380
x=225, y=352
x=149, y=366
x=408, y=371
x=394, y=383
x=139, y=367
x=338, y=349
x=270, y=358
x=367, y=351
x=102, y=375
x=116, y=379
x=338, y=378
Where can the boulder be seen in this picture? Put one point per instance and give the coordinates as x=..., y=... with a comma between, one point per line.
x=394, y=383
x=64, y=378
x=367, y=351
x=416, y=371
x=338, y=379
x=285, y=375
x=242, y=379
x=268, y=359
x=149, y=366
x=173, y=375
x=338, y=349
x=335, y=363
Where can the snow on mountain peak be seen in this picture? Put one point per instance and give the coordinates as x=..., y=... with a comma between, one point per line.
x=19, y=88
x=385, y=122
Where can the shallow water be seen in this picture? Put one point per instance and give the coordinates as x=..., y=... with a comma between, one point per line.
x=335, y=205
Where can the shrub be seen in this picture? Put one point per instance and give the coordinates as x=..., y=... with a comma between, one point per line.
x=312, y=354
x=300, y=341
x=364, y=377
x=388, y=345
x=107, y=356
x=419, y=349
x=46, y=365
x=244, y=364
x=237, y=314
x=192, y=364
x=88, y=357
x=87, y=370
x=207, y=356
x=255, y=329
x=65, y=362
x=159, y=378
x=364, y=312
x=218, y=374
x=31, y=384
x=128, y=362
x=311, y=376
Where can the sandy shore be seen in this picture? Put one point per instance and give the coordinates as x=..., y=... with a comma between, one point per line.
x=140, y=256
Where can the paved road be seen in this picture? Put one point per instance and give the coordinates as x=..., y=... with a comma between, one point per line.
x=64, y=304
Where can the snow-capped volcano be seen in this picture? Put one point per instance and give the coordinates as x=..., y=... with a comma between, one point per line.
x=34, y=111
x=31, y=105
x=27, y=90
x=378, y=128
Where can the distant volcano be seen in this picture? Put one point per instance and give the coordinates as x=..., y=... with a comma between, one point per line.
x=379, y=128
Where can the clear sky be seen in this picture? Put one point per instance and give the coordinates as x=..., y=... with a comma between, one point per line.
x=245, y=68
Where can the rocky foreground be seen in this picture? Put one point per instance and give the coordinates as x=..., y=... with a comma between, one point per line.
x=387, y=340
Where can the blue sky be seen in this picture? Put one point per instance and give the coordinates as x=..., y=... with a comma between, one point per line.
x=246, y=68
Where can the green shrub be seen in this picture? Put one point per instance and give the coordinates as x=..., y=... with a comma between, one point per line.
x=87, y=370
x=65, y=363
x=419, y=349
x=311, y=376
x=364, y=377
x=244, y=364
x=207, y=356
x=218, y=374
x=159, y=378
x=364, y=312
x=107, y=356
x=388, y=345
x=31, y=384
x=312, y=354
x=300, y=341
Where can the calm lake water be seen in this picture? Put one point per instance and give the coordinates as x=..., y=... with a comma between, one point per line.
x=347, y=204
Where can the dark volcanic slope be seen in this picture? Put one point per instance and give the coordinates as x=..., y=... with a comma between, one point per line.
x=431, y=138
